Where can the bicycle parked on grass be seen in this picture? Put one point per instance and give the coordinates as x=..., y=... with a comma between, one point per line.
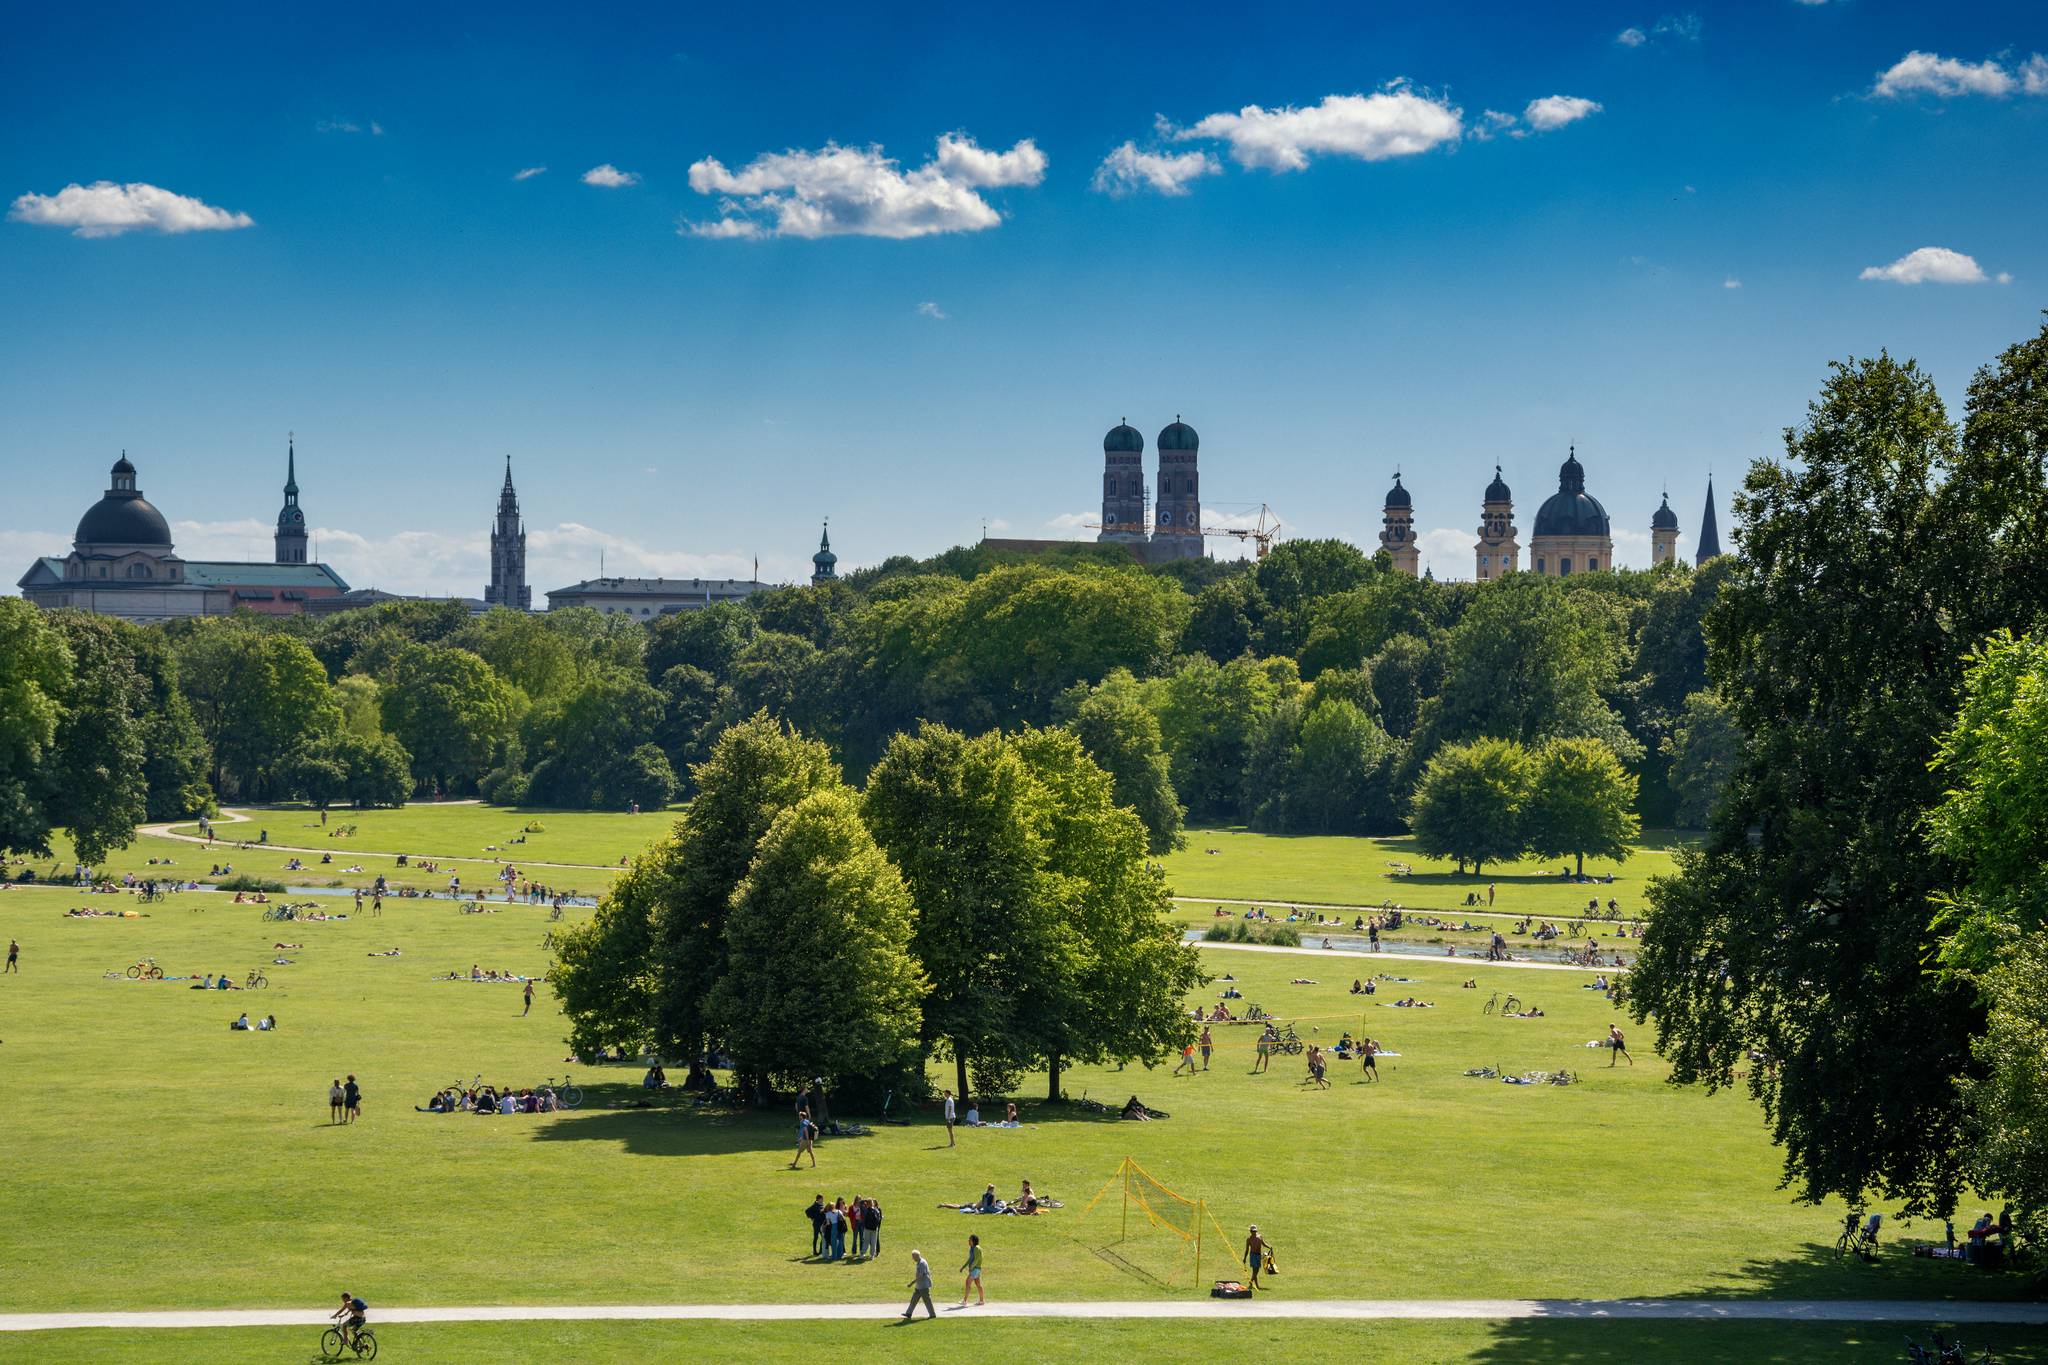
x=146, y=970
x=566, y=1094
x=1859, y=1235
x=1944, y=1352
x=1288, y=1042
x=256, y=980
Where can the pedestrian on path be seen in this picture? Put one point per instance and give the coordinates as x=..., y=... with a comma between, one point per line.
x=920, y=1287
x=1617, y=1045
x=972, y=1265
x=14, y=956
x=1207, y=1043
x=529, y=1000
x=336, y=1097
x=949, y=1119
x=1255, y=1254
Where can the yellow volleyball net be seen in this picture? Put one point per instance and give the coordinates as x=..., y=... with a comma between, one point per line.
x=1144, y=1206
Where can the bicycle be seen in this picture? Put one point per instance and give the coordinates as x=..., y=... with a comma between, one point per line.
x=1492, y=1003
x=1944, y=1352
x=567, y=1094
x=1289, y=1042
x=555, y=915
x=1511, y=1005
x=256, y=981
x=146, y=970
x=547, y=941
x=1847, y=1241
x=363, y=1342
x=1486, y=1073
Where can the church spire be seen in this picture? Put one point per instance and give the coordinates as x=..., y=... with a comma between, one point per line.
x=508, y=586
x=1710, y=533
x=291, y=520
x=824, y=564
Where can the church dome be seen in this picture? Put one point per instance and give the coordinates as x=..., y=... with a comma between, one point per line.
x=1664, y=519
x=123, y=516
x=1179, y=436
x=1497, y=491
x=1571, y=511
x=1397, y=496
x=1123, y=439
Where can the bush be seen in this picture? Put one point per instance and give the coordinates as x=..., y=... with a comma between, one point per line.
x=1251, y=931
x=242, y=881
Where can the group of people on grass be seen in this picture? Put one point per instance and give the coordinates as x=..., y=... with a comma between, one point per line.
x=344, y=1101
x=266, y=1024
x=490, y=1099
x=833, y=1224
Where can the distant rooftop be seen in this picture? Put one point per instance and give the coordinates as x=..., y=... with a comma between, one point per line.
x=659, y=587
x=209, y=573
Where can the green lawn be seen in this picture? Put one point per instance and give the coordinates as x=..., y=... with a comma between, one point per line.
x=1335, y=870
x=1530, y=1342
x=197, y=1166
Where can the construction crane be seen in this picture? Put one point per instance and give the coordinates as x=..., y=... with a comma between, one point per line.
x=1264, y=530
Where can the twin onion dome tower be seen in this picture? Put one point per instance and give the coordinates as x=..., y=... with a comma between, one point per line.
x=1572, y=533
x=1174, y=530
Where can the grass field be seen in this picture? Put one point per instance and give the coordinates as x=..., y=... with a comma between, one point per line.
x=196, y=1166
x=1527, y=1342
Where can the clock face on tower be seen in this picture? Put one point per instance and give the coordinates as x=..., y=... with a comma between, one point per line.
x=1166, y=518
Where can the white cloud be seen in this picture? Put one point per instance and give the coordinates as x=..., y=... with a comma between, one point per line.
x=1447, y=553
x=1631, y=37
x=342, y=125
x=1928, y=265
x=2004, y=277
x=1392, y=122
x=105, y=209
x=931, y=310
x=961, y=160
x=1555, y=111
x=610, y=177
x=1924, y=73
x=1683, y=28
x=1731, y=283
x=859, y=192
x=1073, y=521
x=1493, y=121
x=2034, y=75
x=1126, y=170
x=529, y=173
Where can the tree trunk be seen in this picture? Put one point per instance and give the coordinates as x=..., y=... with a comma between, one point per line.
x=1476, y=865
x=1052, y=1071
x=1582, y=864
x=960, y=1068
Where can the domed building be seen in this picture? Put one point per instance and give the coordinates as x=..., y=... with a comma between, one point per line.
x=122, y=563
x=1496, y=551
x=1397, y=530
x=1177, y=526
x=1123, y=486
x=1664, y=533
x=824, y=564
x=1572, y=533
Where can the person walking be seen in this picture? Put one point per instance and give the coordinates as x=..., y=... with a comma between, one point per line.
x=352, y=1101
x=1368, y=1053
x=949, y=1119
x=14, y=956
x=1255, y=1254
x=1187, y=1060
x=1207, y=1043
x=529, y=999
x=805, y=1131
x=1264, y=1060
x=1617, y=1045
x=816, y=1213
x=972, y=1265
x=336, y=1097
x=1489, y=893
x=920, y=1287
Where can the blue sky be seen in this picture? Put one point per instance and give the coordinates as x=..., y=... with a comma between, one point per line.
x=1388, y=275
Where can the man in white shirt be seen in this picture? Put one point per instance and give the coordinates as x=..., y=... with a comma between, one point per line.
x=949, y=1139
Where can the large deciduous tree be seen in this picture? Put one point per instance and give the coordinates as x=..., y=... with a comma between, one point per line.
x=450, y=710
x=1122, y=736
x=1581, y=800
x=1468, y=804
x=35, y=673
x=820, y=981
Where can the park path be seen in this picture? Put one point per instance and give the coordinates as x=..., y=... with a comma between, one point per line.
x=1918, y=1311
x=1460, y=911
x=1392, y=959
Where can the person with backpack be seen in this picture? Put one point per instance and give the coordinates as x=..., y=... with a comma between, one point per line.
x=356, y=1312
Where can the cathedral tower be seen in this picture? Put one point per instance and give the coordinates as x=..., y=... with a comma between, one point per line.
x=1497, y=551
x=508, y=552
x=1710, y=533
x=1572, y=534
x=1123, y=485
x=1397, y=530
x=291, y=521
x=1177, y=529
x=1664, y=534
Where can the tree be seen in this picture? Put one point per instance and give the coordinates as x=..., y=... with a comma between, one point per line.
x=607, y=968
x=1208, y=715
x=640, y=776
x=35, y=672
x=960, y=817
x=1340, y=777
x=175, y=759
x=94, y=774
x=1873, y=557
x=1406, y=672
x=450, y=710
x=1469, y=802
x=820, y=980
x=1225, y=619
x=1124, y=738
x=255, y=698
x=689, y=699
x=1704, y=749
x=1582, y=801
x=577, y=746
x=1298, y=573
x=1347, y=628
x=522, y=649
x=359, y=700
x=1123, y=973
x=709, y=638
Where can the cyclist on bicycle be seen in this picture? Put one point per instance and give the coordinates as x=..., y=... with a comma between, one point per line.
x=353, y=1309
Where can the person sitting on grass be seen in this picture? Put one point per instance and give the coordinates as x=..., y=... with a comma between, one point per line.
x=267, y=1024
x=241, y=1025
x=988, y=1202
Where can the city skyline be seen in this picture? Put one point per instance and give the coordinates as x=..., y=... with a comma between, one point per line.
x=702, y=311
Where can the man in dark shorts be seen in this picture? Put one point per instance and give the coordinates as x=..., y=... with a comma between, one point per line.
x=355, y=1311
x=1207, y=1043
x=351, y=1101
x=1368, y=1056
x=1617, y=1045
x=13, y=956
x=1255, y=1254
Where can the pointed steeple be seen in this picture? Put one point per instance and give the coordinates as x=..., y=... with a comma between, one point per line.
x=291, y=465
x=824, y=564
x=291, y=519
x=1710, y=533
